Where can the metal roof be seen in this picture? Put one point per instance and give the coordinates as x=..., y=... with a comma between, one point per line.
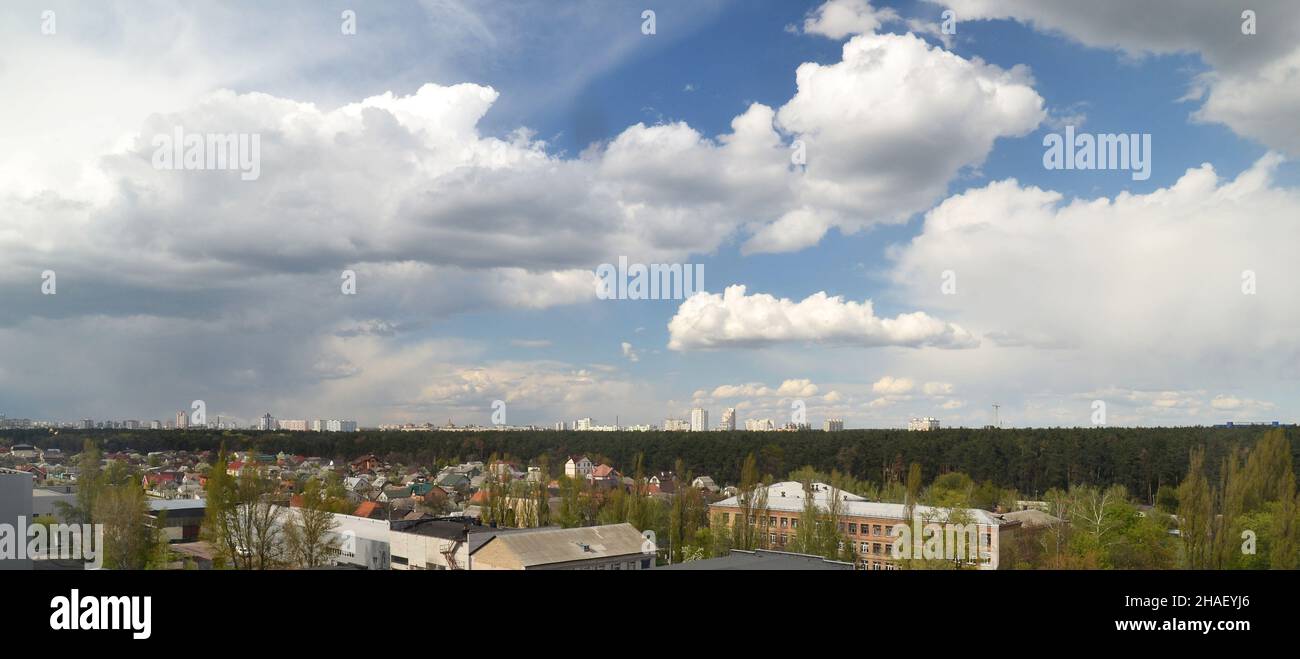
x=549, y=546
x=788, y=497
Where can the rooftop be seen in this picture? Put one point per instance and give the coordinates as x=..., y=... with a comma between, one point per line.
x=550, y=546
x=788, y=496
x=762, y=559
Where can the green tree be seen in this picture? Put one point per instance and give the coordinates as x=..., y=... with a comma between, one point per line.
x=309, y=530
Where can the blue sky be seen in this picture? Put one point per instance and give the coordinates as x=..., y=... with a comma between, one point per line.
x=1084, y=286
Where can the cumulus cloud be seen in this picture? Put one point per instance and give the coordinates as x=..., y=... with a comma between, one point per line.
x=892, y=385
x=734, y=318
x=798, y=388
x=837, y=19
x=1185, y=288
x=868, y=124
x=937, y=388
x=1095, y=272
x=629, y=353
x=1253, y=86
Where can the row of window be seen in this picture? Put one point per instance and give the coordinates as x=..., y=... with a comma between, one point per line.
x=851, y=528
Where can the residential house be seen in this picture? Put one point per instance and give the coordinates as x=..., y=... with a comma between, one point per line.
x=704, y=483
x=578, y=467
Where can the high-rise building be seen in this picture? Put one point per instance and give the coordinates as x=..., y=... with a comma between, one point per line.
x=675, y=425
x=340, y=425
x=266, y=422
x=182, y=420
x=584, y=423
x=729, y=419
x=298, y=425
x=155, y=425
x=759, y=425
x=833, y=425
x=923, y=423
x=699, y=419
x=561, y=425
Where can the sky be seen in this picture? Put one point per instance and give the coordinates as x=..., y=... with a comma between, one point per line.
x=863, y=183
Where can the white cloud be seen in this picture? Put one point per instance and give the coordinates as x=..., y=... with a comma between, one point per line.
x=837, y=19
x=937, y=388
x=1141, y=291
x=629, y=353
x=869, y=122
x=735, y=319
x=892, y=385
x=530, y=343
x=798, y=388
x=1254, y=84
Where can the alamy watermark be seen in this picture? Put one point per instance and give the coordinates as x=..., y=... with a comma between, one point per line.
x=240, y=152
x=103, y=612
x=657, y=281
x=949, y=541
x=1122, y=151
x=25, y=541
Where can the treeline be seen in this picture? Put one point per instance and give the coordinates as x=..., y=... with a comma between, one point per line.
x=1030, y=461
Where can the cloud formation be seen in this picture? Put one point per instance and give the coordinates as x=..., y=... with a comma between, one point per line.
x=734, y=318
x=1253, y=86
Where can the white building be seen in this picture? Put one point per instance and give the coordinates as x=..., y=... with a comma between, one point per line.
x=16, y=511
x=699, y=419
x=759, y=425
x=296, y=425
x=729, y=419
x=266, y=422
x=833, y=425
x=923, y=423
x=674, y=425
x=578, y=467
x=182, y=420
x=584, y=423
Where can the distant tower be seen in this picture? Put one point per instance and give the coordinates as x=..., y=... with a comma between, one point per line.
x=997, y=423
x=699, y=419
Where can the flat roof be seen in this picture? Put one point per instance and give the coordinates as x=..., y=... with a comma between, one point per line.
x=555, y=545
x=177, y=504
x=788, y=497
x=761, y=559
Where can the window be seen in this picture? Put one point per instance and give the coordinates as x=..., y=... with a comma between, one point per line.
x=853, y=529
x=645, y=564
x=784, y=522
x=400, y=560
x=794, y=523
x=875, y=530
x=863, y=549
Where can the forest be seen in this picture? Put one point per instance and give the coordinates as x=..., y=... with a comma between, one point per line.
x=1030, y=460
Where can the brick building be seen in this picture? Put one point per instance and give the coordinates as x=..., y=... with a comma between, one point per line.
x=869, y=525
